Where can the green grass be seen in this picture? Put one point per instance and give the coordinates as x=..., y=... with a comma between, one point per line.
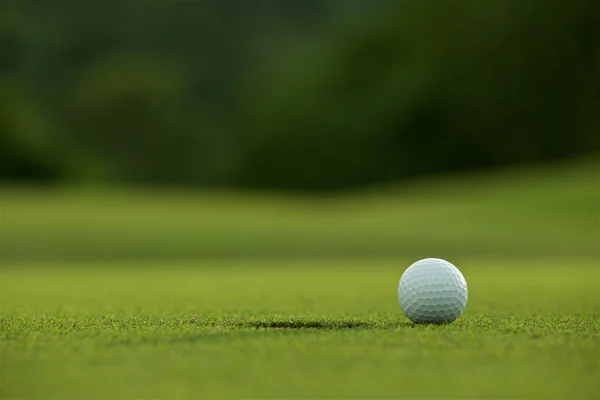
x=154, y=294
x=322, y=329
x=541, y=211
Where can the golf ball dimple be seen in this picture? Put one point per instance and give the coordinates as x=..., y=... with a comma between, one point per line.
x=432, y=290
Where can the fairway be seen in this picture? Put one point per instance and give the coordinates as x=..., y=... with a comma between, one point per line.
x=140, y=294
x=231, y=199
x=328, y=328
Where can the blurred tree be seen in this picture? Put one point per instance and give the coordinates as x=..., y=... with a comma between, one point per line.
x=133, y=113
x=319, y=94
x=28, y=149
x=421, y=89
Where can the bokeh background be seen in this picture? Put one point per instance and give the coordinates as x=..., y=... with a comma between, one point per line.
x=227, y=128
x=217, y=198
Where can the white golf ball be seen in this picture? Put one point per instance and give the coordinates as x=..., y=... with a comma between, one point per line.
x=432, y=290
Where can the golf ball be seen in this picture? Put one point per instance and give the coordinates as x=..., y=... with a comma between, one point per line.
x=432, y=290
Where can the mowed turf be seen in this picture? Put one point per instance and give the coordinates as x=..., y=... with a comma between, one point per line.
x=320, y=329
x=155, y=293
x=539, y=211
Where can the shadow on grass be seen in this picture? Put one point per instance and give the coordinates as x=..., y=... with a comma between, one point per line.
x=217, y=329
x=308, y=324
x=276, y=323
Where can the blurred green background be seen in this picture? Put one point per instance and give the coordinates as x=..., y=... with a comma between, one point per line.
x=216, y=198
x=313, y=95
x=281, y=128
